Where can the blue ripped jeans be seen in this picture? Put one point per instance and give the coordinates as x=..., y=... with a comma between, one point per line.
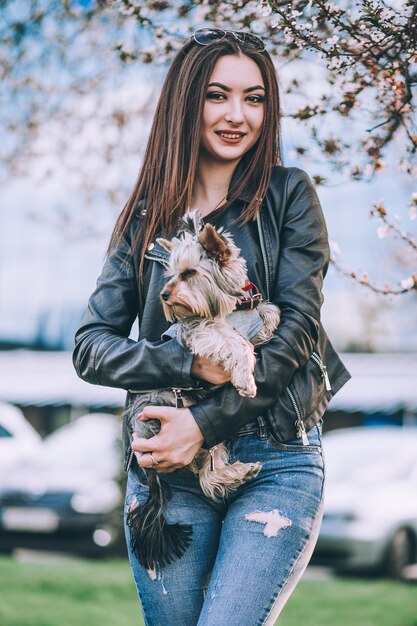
x=248, y=552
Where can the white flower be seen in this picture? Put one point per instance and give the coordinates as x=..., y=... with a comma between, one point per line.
x=334, y=247
x=264, y=9
x=288, y=35
x=412, y=213
x=407, y=283
x=296, y=14
x=331, y=8
x=332, y=40
x=377, y=37
x=386, y=14
x=334, y=64
x=382, y=231
x=414, y=197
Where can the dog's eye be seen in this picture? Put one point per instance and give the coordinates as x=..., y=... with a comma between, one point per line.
x=187, y=274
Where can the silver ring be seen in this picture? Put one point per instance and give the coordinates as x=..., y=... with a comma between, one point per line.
x=153, y=460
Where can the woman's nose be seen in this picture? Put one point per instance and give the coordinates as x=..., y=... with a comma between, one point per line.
x=235, y=113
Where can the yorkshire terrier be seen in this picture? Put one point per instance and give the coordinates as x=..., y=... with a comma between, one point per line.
x=206, y=288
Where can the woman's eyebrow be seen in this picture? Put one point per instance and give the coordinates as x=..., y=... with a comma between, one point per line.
x=229, y=89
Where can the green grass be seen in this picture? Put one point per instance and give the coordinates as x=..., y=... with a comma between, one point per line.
x=102, y=593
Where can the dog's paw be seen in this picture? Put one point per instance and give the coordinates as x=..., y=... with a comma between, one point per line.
x=244, y=382
x=247, y=391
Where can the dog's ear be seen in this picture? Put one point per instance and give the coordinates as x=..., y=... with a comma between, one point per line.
x=213, y=242
x=165, y=243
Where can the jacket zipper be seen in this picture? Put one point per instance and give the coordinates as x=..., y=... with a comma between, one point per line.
x=299, y=424
x=323, y=369
x=158, y=258
x=264, y=257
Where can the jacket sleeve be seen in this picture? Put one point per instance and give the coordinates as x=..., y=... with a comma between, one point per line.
x=104, y=354
x=302, y=262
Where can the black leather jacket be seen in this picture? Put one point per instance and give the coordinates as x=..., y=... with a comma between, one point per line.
x=297, y=372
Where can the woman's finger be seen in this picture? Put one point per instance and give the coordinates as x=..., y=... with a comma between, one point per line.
x=140, y=444
x=162, y=413
x=148, y=460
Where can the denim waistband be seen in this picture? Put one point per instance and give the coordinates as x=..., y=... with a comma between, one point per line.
x=258, y=425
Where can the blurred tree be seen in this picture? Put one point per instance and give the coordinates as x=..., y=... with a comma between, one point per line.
x=58, y=53
x=71, y=110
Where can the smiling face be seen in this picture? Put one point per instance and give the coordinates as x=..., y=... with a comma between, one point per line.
x=234, y=109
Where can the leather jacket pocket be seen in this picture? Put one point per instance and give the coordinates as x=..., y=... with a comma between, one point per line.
x=314, y=437
x=308, y=393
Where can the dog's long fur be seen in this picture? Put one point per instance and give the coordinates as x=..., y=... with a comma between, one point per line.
x=206, y=276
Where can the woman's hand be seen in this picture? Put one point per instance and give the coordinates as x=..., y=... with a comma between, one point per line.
x=175, y=445
x=206, y=370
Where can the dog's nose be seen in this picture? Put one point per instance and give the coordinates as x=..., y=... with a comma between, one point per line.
x=165, y=295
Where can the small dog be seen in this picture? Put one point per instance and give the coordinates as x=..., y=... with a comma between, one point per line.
x=206, y=285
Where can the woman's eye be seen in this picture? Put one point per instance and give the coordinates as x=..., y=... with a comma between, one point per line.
x=256, y=98
x=215, y=95
x=187, y=274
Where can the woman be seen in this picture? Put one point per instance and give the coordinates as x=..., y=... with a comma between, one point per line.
x=214, y=145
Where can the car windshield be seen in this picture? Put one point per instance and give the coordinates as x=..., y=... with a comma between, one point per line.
x=81, y=446
x=367, y=458
x=4, y=433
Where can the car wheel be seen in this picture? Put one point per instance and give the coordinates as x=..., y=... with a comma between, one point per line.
x=400, y=553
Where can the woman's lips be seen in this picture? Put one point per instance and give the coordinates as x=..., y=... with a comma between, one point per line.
x=230, y=137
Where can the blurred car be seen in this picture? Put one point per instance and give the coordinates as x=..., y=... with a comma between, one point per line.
x=370, y=501
x=17, y=437
x=65, y=495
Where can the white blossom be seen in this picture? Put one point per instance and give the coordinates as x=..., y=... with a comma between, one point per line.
x=407, y=283
x=412, y=213
x=332, y=40
x=386, y=14
x=264, y=9
x=382, y=231
x=331, y=8
x=377, y=36
x=334, y=247
x=335, y=63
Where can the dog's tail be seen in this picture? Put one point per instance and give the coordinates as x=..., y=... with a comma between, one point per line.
x=153, y=540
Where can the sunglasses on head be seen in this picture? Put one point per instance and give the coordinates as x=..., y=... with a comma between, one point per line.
x=207, y=36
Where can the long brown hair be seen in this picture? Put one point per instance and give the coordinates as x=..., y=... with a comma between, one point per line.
x=166, y=178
